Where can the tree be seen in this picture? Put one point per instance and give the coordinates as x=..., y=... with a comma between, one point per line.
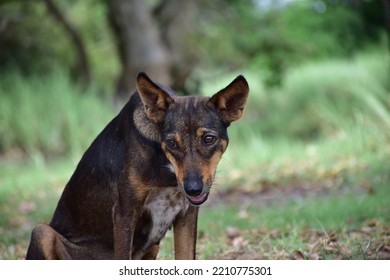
x=29, y=40
x=152, y=40
x=82, y=66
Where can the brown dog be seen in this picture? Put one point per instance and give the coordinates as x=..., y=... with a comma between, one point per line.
x=149, y=169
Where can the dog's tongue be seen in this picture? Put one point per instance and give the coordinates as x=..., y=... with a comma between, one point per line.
x=197, y=200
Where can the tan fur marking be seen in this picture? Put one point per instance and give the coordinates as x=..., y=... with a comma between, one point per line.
x=208, y=171
x=172, y=160
x=139, y=187
x=185, y=232
x=178, y=138
x=151, y=254
x=48, y=244
x=200, y=132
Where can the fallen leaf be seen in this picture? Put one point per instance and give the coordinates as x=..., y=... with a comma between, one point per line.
x=232, y=232
x=239, y=242
x=244, y=214
x=314, y=256
x=298, y=255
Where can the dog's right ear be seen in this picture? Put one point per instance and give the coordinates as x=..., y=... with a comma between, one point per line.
x=156, y=101
x=231, y=100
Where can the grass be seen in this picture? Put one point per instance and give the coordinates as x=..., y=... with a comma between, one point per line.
x=279, y=229
x=46, y=116
x=288, y=207
x=305, y=175
x=278, y=218
x=29, y=191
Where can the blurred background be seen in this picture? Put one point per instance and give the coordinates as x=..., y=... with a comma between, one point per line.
x=306, y=175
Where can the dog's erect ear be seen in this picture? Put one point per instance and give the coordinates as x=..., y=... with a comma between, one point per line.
x=156, y=101
x=230, y=101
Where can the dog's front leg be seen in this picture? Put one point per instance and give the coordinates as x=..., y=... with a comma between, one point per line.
x=185, y=233
x=124, y=227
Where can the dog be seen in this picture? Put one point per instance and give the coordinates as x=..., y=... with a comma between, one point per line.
x=149, y=169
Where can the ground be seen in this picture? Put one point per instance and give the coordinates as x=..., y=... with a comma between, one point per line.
x=294, y=218
x=370, y=240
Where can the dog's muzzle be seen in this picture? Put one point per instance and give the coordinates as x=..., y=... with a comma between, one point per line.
x=194, y=189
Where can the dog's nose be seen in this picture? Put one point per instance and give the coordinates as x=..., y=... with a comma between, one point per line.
x=193, y=185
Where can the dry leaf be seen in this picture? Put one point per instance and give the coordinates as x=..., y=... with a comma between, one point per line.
x=232, y=232
x=298, y=255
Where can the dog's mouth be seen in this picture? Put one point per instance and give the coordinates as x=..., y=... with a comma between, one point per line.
x=198, y=200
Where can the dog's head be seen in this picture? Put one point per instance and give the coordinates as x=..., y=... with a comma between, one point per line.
x=193, y=130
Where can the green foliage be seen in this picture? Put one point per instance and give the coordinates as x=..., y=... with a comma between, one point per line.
x=90, y=19
x=34, y=42
x=330, y=115
x=24, y=42
x=317, y=29
x=278, y=38
x=49, y=115
x=229, y=35
x=324, y=99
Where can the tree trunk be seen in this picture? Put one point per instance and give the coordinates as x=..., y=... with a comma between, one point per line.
x=176, y=20
x=139, y=45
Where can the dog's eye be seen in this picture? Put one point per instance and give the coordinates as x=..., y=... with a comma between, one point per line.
x=171, y=144
x=209, y=139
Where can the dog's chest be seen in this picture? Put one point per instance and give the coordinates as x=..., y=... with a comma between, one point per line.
x=164, y=204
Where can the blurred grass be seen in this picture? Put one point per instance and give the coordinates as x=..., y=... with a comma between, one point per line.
x=29, y=192
x=49, y=116
x=325, y=130
x=323, y=99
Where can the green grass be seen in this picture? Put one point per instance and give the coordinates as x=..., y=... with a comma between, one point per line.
x=305, y=174
x=317, y=100
x=49, y=115
x=29, y=191
x=279, y=229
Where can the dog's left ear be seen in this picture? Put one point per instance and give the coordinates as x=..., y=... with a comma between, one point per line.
x=230, y=101
x=156, y=101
